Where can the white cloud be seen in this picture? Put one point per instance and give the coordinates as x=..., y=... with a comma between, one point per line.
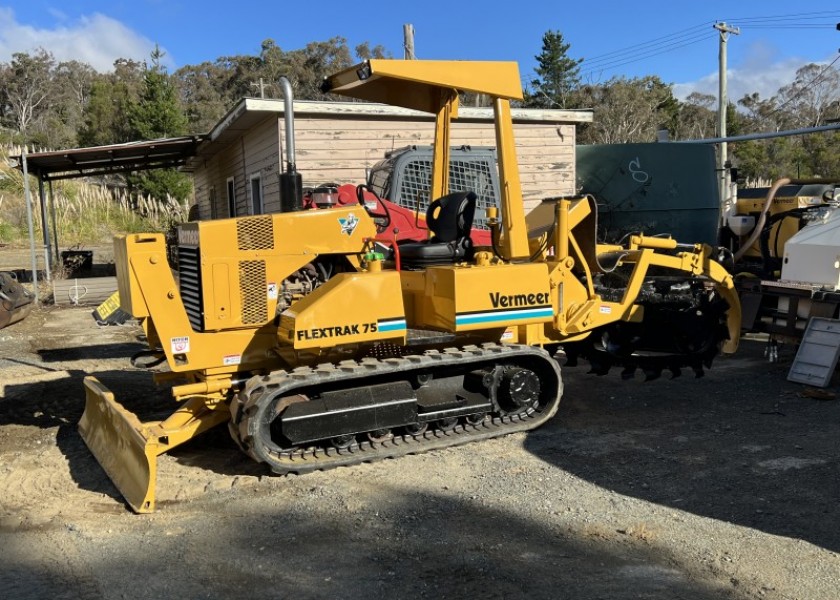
x=761, y=70
x=96, y=39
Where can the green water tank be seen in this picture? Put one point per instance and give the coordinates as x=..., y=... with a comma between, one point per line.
x=661, y=188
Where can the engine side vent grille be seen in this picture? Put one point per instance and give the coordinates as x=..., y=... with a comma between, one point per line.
x=252, y=287
x=255, y=233
x=189, y=285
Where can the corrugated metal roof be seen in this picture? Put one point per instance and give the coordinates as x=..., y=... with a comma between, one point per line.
x=115, y=158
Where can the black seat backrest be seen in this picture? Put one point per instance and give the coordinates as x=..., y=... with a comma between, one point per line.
x=451, y=217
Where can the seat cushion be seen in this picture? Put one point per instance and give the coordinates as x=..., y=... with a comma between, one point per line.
x=422, y=254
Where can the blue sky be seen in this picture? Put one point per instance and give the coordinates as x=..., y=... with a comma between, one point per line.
x=674, y=40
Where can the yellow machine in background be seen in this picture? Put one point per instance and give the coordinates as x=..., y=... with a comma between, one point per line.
x=785, y=253
x=765, y=219
x=324, y=343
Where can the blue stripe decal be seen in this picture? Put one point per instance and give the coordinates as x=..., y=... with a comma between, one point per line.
x=504, y=316
x=392, y=325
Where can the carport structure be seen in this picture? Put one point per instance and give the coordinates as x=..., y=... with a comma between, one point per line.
x=89, y=162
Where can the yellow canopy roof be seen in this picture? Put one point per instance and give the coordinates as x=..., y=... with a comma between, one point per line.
x=424, y=84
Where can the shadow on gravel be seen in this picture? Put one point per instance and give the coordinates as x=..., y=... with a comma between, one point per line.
x=114, y=350
x=59, y=401
x=343, y=541
x=740, y=445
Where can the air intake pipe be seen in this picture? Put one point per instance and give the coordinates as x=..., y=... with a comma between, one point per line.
x=291, y=183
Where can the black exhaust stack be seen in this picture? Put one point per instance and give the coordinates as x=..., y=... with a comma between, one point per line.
x=291, y=183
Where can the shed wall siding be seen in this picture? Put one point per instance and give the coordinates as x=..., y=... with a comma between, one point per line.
x=215, y=173
x=340, y=149
x=261, y=158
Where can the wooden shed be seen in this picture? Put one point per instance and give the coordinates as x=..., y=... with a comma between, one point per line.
x=236, y=167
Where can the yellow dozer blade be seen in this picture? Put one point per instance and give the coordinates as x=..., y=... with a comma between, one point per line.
x=128, y=449
x=115, y=437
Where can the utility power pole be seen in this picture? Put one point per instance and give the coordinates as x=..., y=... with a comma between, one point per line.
x=723, y=159
x=408, y=43
x=261, y=86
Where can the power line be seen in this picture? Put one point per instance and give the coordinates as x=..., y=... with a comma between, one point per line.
x=624, y=54
x=811, y=26
x=692, y=35
x=604, y=65
x=653, y=42
x=805, y=16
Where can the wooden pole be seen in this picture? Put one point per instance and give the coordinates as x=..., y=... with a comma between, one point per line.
x=408, y=37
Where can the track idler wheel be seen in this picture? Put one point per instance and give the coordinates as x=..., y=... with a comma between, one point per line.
x=519, y=389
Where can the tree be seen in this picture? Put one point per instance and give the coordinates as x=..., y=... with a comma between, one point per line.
x=100, y=115
x=758, y=114
x=64, y=113
x=273, y=64
x=558, y=75
x=27, y=82
x=111, y=96
x=202, y=94
x=627, y=110
x=309, y=67
x=814, y=91
x=696, y=117
x=810, y=100
x=157, y=114
x=365, y=52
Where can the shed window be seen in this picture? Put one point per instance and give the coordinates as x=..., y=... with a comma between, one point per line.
x=256, y=194
x=231, y=197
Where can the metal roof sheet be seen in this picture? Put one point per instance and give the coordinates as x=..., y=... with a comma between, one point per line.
x=115, y=158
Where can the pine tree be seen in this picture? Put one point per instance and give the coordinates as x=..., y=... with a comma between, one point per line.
x=158, y=114
x=558, y=75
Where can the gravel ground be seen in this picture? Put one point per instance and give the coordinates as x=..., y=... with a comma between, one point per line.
x=721, y=487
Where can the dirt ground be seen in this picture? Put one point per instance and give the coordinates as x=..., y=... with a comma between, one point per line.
x=721, y=487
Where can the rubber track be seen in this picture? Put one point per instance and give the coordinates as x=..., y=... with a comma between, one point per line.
x=248, y=407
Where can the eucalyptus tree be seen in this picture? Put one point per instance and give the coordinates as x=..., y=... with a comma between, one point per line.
x=696, y=117
x=627, y=110
x=105, y=117
x=27, y=83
